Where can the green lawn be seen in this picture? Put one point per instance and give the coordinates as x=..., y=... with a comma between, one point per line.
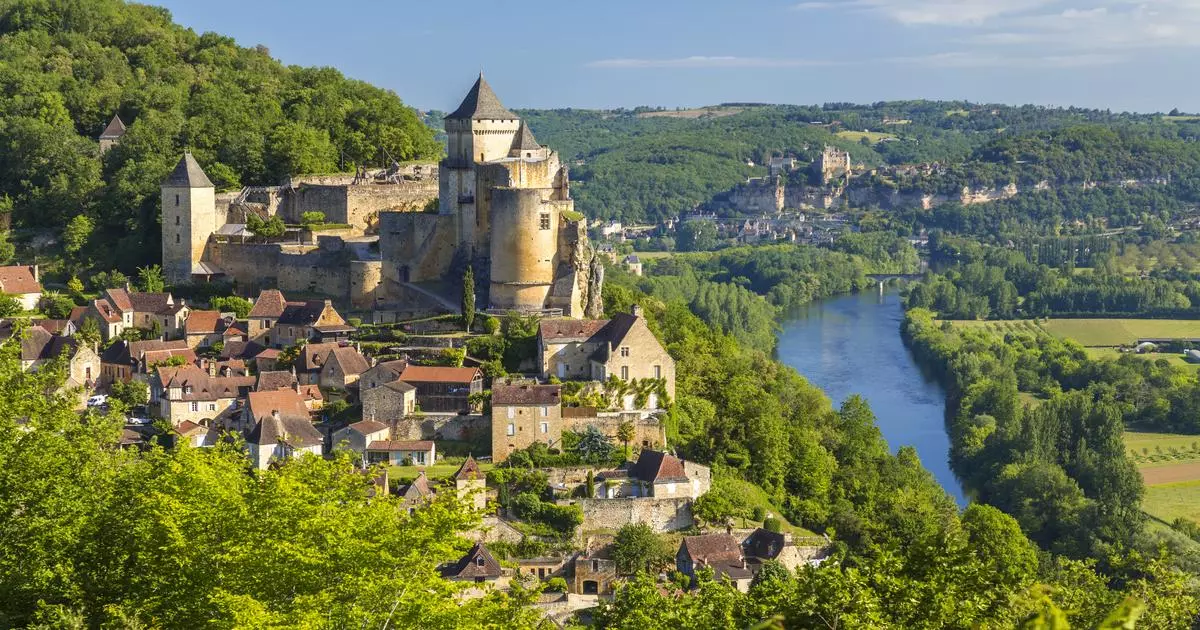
x=872, y=136
x=758, y=497
x=1176, y=360
x=437, y=471
x=1181, y=118
x=1173, y=500
x=1114, y=332
x=649, y=255
x=1149, y=449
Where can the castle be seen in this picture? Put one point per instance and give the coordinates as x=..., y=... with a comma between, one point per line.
x=499, y=202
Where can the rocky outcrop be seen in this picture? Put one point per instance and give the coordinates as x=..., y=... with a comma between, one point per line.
x=594, y=297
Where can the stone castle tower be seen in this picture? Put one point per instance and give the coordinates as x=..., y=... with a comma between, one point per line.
x=189, y=216
x=504, y=206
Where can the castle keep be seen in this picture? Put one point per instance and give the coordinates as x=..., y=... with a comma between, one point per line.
x=502, y=205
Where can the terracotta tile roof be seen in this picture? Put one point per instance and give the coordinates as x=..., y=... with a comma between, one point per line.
x=152, y=357
x=365, y=427
x=525, y=394
x=54, y=326
x=311, y=392
x=106, y=311
x=468, y=471
x=203, y=387
x=313, y=356
x=234, y=330
x=76, y=315
x=188, y=428
x=270, y=303
x=712, y=549
x=120, y=299
x=286, y=401
x=658, y=467
x=478, y=563
x=563, y=330
x=432, y=374
x=400, y=445
x=274, y=379
x=203, y=322
x=18, y=280
x=349, y=360
x=125, y=352
x=267, y=353
x=157, y=303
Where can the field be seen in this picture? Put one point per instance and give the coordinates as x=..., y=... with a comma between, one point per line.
x=1173, y=500
x=1098, y=332
x=872, y=136
x=1176, y=360
x=1181, y=118
x=651, y=255
x=699, y=112
x=1170, y=467
x=406, y=474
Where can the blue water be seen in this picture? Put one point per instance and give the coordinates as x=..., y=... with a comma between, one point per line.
x=851, y=345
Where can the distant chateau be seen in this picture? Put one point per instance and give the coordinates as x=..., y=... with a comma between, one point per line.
x=499, y=201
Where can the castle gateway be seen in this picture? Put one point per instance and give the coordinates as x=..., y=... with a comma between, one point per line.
x=503, y=206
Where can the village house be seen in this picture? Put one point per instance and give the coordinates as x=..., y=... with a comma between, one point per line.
x=310, y=359
x=272, y=380
x=763, y=546
x=39, y=347
x=278, y=428
x=522, y=414
x=203, y=329
x=183, y=393
x=593, y=573
x=22, y=282
x=381, y=373
x=633, y=264
x=478, y=565
x=415, y=494
x=443, y=389
x=388, y=402
x=655, y=475
x=471, y=484
x=275, y=322
x=357, y=436
x=402, y=452
x=595, y=349
x=342, y=367
x=720, y=552
x=158, y=311
x=196, y=435
x=130, y=360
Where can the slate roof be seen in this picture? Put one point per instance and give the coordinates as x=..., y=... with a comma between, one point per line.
x=18, y=280
x=302, y=313
x=383, y=373
x=114, y=130
x=658, y=467
x=204, y=387
x=524, y=140
x=400, y=445
x=38, y=344
x=274, y=379
x=270, y=303
x=54, y=326
x=433, y=374
x=188, y=174
x=153, y=302
x=399, y=386
x=525, y=394
x=764, y=544
x=313, y=355
x=124, y=352
x=481, y=103
x=478, y=563
x=468, y=471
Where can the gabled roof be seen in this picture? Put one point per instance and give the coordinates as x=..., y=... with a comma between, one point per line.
x=106, y=311
x=712, y=549
x=417, y=490
x=764, y=544
x=658, y=467
x=348, y=360
x=468, y=471
x=270, y=303
x=188, y=174
x=563, y=330
x=478, y=563
x=203, y=322
x=158, y=303
x=481, y=103
x=313, y=356
x=274, y=379
x=386, y=371
x=120, y=299
x=287, y=402
x=114, y=130
x=525, y=394
x=367, y=427
x=53, y=326
x=434, y=374
x=18, y=280
x=524, y=140
x=302, y=313
x=400, y=445
x=280, y=416
x=38, y=344
x=203, y=387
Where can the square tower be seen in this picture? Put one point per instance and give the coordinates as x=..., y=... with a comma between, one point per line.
x=189, y=217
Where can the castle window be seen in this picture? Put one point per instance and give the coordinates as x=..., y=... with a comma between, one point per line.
x=512, y=429
x=545, y=412
x=658, y=371
x=527, y=154
x=177, y=200
x=177, y=219
x=176, y=238
x=624, y=351
x=544, y=221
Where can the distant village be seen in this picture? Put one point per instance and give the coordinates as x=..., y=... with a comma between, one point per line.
x=355, y=343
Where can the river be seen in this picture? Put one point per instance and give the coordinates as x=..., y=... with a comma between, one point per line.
x=851, y=345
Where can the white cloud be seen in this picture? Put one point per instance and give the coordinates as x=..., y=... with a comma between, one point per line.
x=966, y=59
x=1115, y=25
x=700, y=61
x=934, y=12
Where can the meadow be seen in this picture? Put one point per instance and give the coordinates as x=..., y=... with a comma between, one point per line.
x=1097, y=332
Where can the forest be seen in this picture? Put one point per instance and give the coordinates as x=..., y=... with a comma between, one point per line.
x=66, y=67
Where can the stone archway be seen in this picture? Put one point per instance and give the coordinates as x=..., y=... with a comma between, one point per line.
x=591, y=587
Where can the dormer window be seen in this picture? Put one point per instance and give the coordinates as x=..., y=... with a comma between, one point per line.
x=187, y=389
x=479, y=561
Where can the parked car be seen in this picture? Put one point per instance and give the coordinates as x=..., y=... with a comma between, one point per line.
x=99, y=400
x=138, y=421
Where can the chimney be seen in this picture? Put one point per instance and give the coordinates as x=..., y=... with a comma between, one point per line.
x=296, y=386
x=36, y=275
x=636, y=310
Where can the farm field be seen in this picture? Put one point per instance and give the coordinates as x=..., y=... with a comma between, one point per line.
x=1175, y=360
x=1097, y=332
x=1173, y=500
x=1170, y=467
x=652, y=255
x=871, y=136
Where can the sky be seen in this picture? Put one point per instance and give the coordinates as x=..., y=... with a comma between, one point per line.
x=1135, y=55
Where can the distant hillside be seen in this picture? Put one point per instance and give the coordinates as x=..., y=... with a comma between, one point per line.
x=67, y=66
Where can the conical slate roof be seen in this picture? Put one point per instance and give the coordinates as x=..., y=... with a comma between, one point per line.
x=524, y=140
x=481, y=103
x=188, y=174
x=115, y=128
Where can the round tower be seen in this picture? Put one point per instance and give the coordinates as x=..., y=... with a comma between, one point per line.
x=189, y=217
x=524, y=244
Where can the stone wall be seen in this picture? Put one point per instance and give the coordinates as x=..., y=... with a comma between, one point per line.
x=358, y=205
x=649, y=432
x=416, y=247
x=366, y=278
x=322, y=270
x=466, y=428
x=662, y=515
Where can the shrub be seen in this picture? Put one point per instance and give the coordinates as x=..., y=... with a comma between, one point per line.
x=759, y=513
x=556, y=585
x=773, y=525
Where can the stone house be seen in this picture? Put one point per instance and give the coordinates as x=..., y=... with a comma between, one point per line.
x=415, y=494
x=522, y=414
x=23, y=283
x=189, y=393
x=198, y=436
x=203, y=329
x=342, y=367
x=279, y=427
x=655, y=475
x=311, y=359
x=381, y=373
x=147, y=311
x=389, y=401
x=471, y=484
x=593, y=574
x=478, y=565
x=357, y=436
x=263, y=315
x=39, y=347
x=762, y=546
x=596, y=349
x=633, y=264
x=542, y=568
x=402, y=452
x=108, y=319
x=129, y=360
x=443, y=389
x=275, y=322
x=720, y=552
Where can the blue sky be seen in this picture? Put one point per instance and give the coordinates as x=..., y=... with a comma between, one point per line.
x=1118, y=54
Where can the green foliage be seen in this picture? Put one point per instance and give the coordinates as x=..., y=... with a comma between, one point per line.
x=131, y=394
x=309, y=219
x=76, y=234
x=89, y=332
x=56, y=305
x=594, y=446
x=75, y=286
x=773, y=524
x=10, y=305
x=636, y=547
x=468, y=298
x=151, y=279
x=272, y=227
x=239, y=306
x=108, y=280
x=7, y=249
